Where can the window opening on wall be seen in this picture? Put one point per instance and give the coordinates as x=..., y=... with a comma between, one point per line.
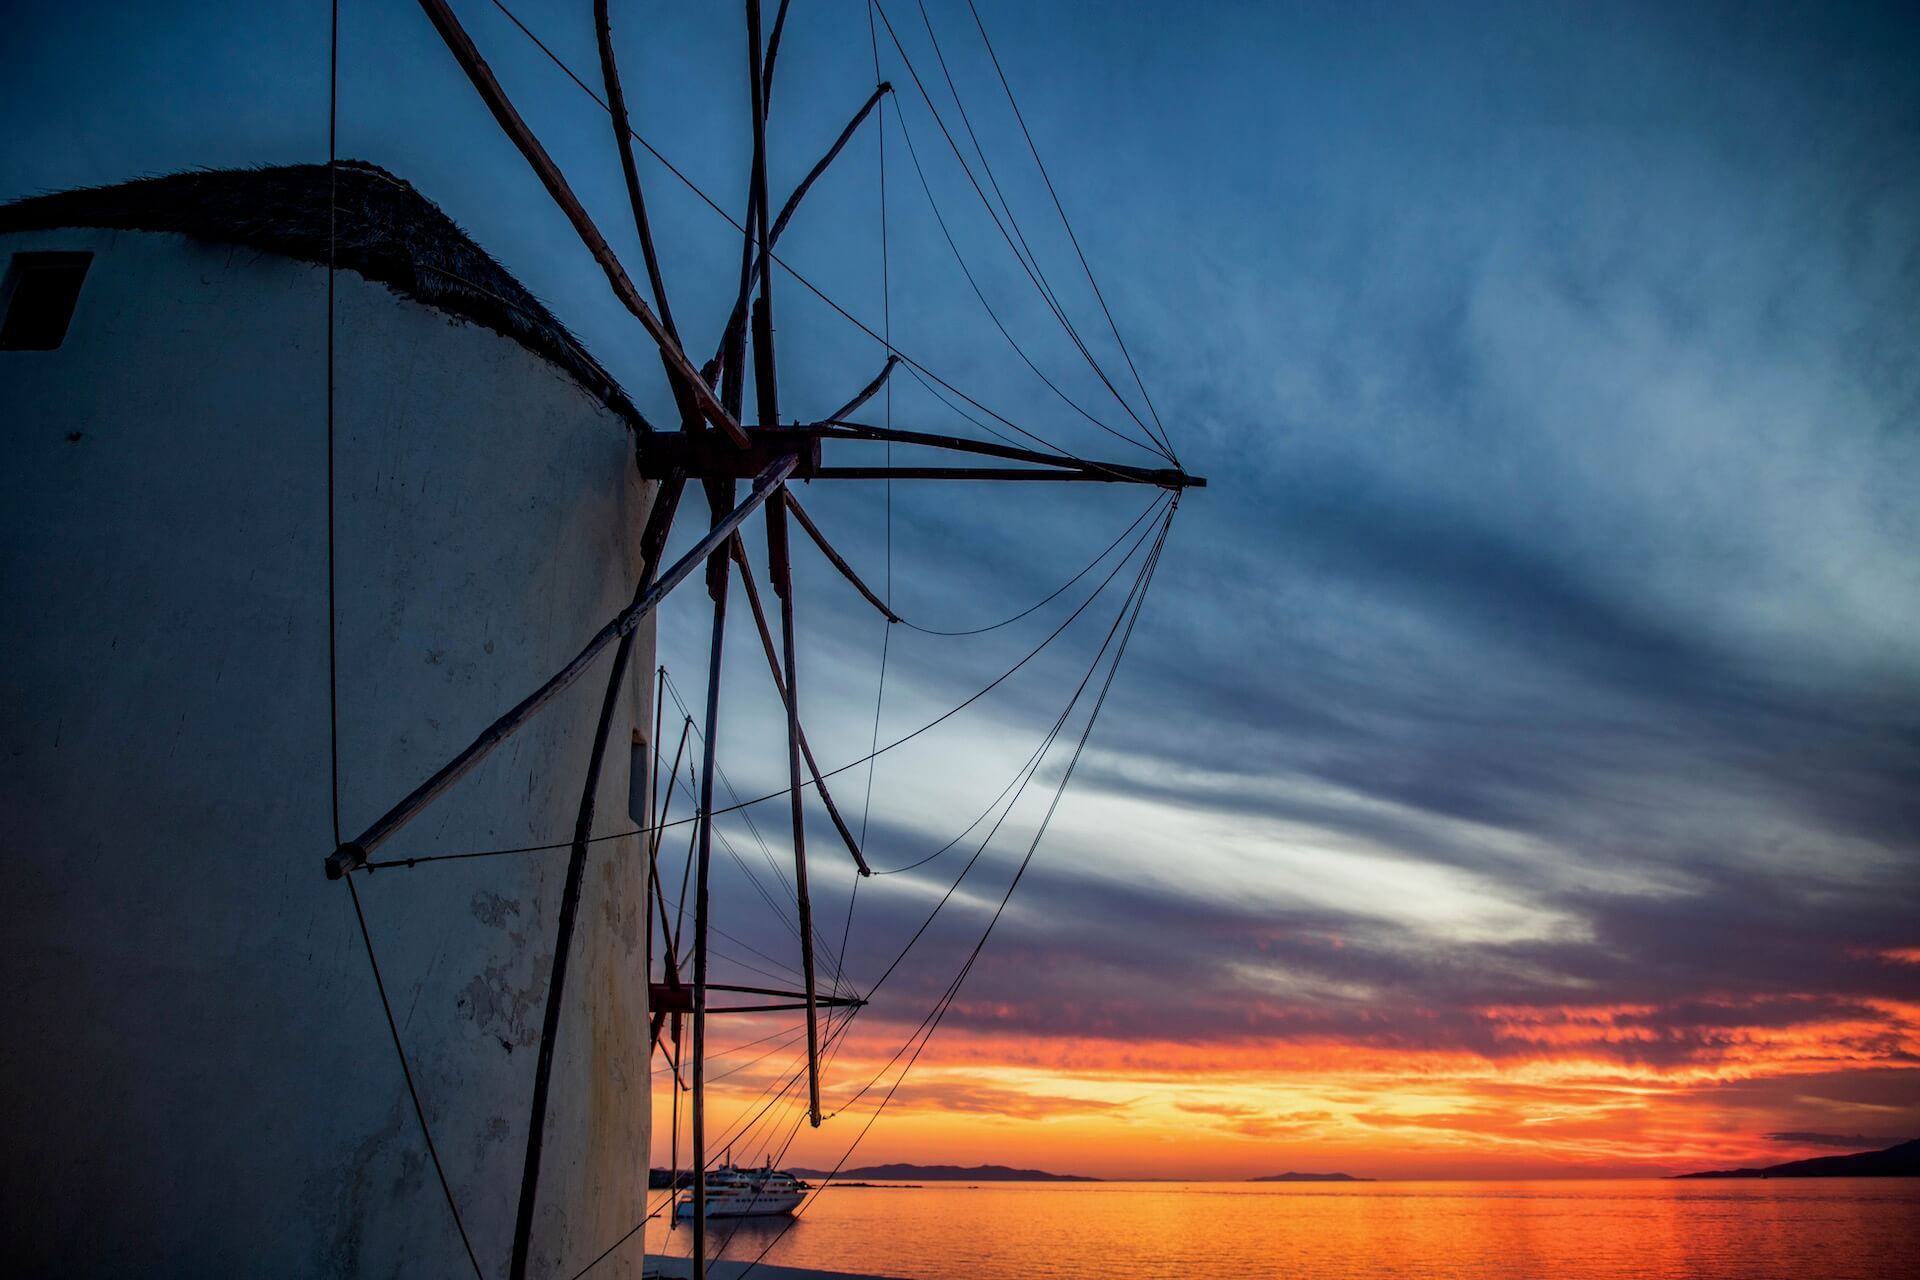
x=38, y=298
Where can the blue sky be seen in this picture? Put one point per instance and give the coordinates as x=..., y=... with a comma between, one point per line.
x=1546, y=634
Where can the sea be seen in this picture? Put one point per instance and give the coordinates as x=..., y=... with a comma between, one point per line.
x=1790, y=1229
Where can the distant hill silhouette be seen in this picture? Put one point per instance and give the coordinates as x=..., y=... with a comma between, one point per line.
x=1902, y=1161
x=1309, y=1177
x=943, y=1173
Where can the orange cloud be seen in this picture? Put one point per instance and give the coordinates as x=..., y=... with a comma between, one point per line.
x=1527, y=1090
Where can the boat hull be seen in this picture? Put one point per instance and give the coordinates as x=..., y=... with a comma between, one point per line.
x=770, y=1204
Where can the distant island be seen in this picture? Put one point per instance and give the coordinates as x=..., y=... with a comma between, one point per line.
x=1309, y=1177
x=942, y=1173
x=1902, y=1161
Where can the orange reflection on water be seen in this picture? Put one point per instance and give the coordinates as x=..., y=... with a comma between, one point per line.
x=1841, y=1229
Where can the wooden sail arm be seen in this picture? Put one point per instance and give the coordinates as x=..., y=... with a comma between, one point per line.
x=765, y=382
x=670, y=1021
x=467, y=54
x=353, y=854
x=837, y=428
x=867, y=392
x=780, y=569
x=666, y=998
x=773, y=52
x=1069, y=475
x=773, y=662
x=670, y=960
x=838, y=562
x=738, y=318
x=663, y=450
x=683, y=393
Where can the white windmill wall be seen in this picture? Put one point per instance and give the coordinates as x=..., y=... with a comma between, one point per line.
x=197, y=1078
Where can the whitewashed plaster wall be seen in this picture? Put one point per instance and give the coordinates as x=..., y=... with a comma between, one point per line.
x=197, y=1078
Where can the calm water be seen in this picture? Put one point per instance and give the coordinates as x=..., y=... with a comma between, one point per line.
x=1826, y=1229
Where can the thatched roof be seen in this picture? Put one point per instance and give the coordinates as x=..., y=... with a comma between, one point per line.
x=386, y=231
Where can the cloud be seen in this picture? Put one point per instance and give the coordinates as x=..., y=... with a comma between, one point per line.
x=1532, y=691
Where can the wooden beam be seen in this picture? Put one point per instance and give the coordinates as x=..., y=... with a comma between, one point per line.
x=766, y=380
x=867, y=392
x=662, y=451
x=467, y=54
x=846, y=570
x=806, y=750
x=773, y=51
x=1166, y=480
x=353, y=854
x=705, y=455
x=671, y=961
x=653, y=541
x=717, y=588
x=783, y=587
x=683, y=394
x=679, y=999
x=737, y=319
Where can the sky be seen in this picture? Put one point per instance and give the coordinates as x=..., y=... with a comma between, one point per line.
x=1515, y=770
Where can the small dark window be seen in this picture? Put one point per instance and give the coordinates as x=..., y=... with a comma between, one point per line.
x=39, y=298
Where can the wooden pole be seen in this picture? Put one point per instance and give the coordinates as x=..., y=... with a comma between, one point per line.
x=670, y=962
x=353, y=854
x=846, y=570
x=766, y=382
x=1052, y=474
x=839, y=429
x=867, y=392
x=718, y=589
x=781, y=572
x=653, y=541
x=467, y=54
x=668, y=449
x=773, y=51
x=657, y=1014
x=806, y=750
x=752, y=270
x=623, y=135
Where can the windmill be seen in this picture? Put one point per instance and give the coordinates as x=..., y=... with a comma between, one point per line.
x=714, y=447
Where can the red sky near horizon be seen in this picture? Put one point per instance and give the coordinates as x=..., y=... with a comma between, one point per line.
x=1570, y=1091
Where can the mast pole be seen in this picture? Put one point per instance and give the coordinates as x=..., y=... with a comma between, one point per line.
x=717, y=587
x=780, y=686
x=653, y=542
x=765, y=381
x=780, y=569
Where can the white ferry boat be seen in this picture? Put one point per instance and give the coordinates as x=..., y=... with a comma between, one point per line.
x=746, y=1193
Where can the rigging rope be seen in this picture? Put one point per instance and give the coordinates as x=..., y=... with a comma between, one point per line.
x=819, y=940
x=399, y=1051
x=906, y=135
x=1030, y=270
x=1051, y=596
x=886, y=631
x=944, y=716
x=1068, y=224
x=333, y=662
x=837, y=1033
x=1046, y=286
x=800, y=279
x=953, y=989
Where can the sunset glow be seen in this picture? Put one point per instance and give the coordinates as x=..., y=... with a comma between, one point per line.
x=1568, y=1091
